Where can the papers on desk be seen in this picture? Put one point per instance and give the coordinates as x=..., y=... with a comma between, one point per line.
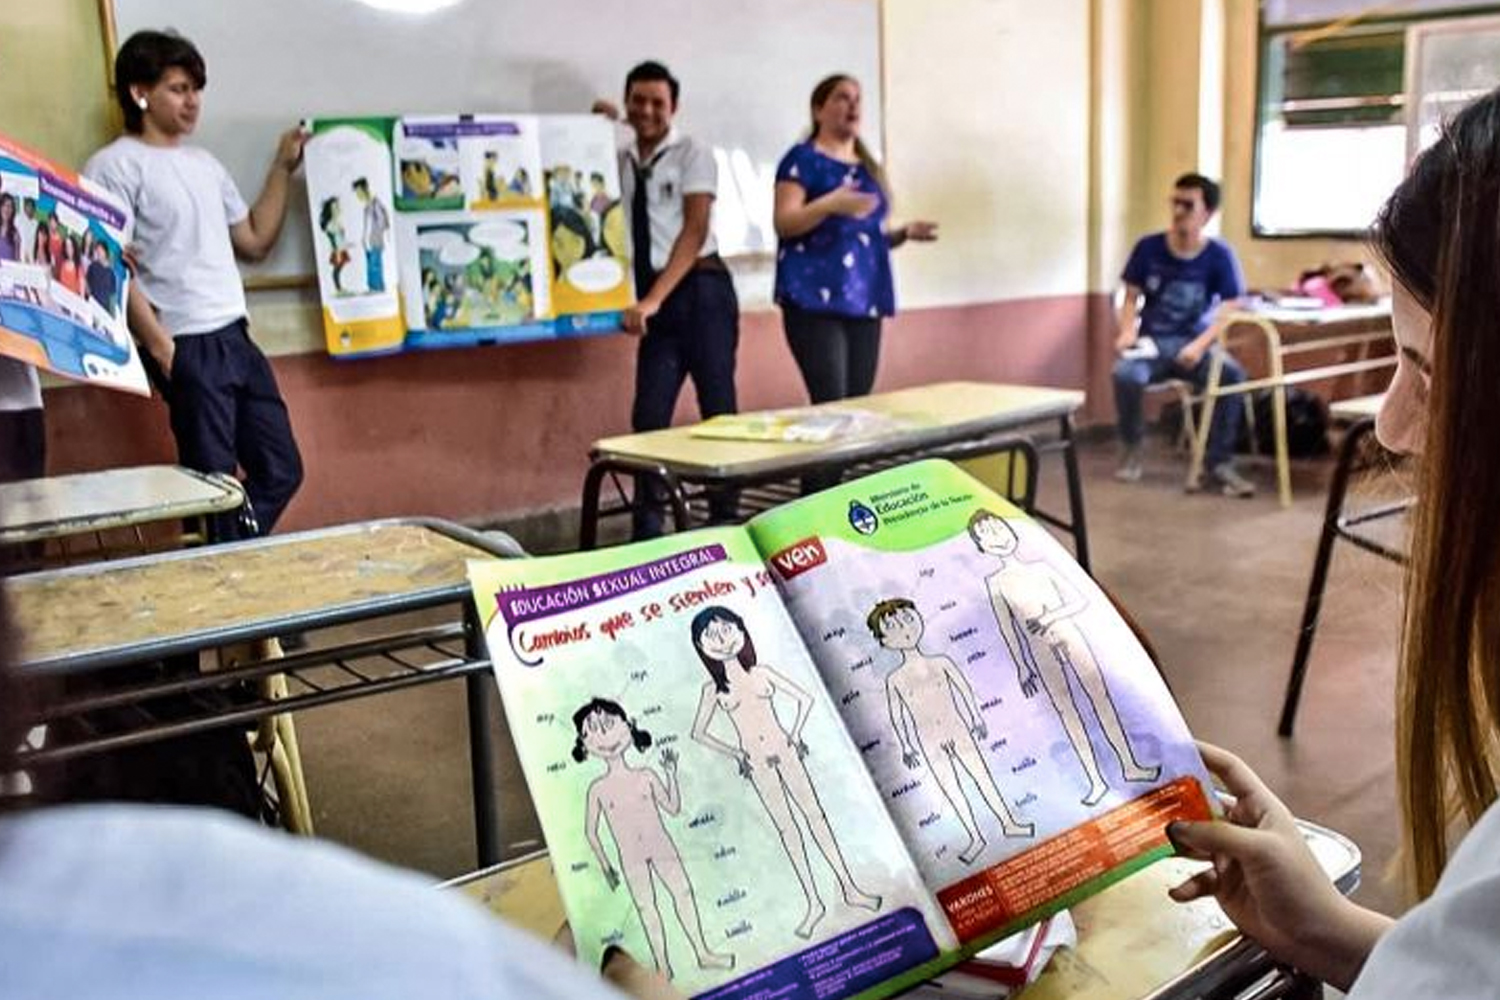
x=1005, y=966
x=808, y=424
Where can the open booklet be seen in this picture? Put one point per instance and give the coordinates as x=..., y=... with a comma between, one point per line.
x=838, y=749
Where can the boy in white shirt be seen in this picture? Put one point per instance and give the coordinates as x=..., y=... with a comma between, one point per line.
x=187, y=305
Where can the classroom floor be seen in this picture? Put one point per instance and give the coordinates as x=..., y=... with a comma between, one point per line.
x=1216, y=583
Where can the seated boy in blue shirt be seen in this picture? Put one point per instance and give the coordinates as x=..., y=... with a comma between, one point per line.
x=1176, y=284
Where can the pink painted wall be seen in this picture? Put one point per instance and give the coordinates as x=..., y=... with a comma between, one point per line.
x=483, y=433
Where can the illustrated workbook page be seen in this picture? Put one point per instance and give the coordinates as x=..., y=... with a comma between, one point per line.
x=703, y=805
x=1016, y=730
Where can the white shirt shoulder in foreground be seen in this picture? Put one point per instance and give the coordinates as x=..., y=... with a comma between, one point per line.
x=1449, y=945
x=131, y=901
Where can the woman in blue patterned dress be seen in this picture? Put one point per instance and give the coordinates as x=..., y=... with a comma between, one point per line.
x=833, y=262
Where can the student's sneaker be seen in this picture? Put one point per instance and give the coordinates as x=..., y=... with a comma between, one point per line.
x=1130, y=468
x=1231, y=483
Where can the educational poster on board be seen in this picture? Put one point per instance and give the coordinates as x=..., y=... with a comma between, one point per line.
x=476, y=216
x=351, y=200
x=589, y=234
x=63, y=281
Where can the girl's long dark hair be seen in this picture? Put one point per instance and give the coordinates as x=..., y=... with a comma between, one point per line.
x=1440, y=234
x=701, y=621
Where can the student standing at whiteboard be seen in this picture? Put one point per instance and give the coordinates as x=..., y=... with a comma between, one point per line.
x=833, y=261
x=686, y=313
x=187, y=307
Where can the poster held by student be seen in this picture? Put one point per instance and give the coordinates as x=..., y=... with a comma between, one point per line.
x=62, y=297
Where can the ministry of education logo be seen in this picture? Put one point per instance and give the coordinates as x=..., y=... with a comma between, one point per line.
x=862, y=519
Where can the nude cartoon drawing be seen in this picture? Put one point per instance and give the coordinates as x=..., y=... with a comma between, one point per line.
x=631, y=800
x=768, y=755
x=936, y=718
x=1035, y=608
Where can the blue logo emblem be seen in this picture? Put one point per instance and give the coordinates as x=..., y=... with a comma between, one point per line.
x=862, y=519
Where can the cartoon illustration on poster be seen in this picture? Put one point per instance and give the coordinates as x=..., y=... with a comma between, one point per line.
x=63, y=279
x=500, y=162
x=349, y=194
x=589, y=233
x=427, y=164
x=475, y=278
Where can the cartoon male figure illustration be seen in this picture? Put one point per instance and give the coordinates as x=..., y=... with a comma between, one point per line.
x=630, y=800
x=377, y=224
x=1035, y=609
x=936, y=718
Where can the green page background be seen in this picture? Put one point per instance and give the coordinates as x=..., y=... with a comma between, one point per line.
x=653, y=671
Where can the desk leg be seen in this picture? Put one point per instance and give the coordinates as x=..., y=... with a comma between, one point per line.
x=1075, y=496
x=588, y=510
x=1205, y=420
x=1314, y=604
x=1283, y=460
x=480, y=689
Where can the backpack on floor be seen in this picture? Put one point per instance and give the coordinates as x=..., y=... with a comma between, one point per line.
x=1306, y=424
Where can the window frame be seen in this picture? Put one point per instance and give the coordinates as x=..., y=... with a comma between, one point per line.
x=1265, y=36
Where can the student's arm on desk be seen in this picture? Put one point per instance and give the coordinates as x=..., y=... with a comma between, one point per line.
x=255, y=234
x=1127, y=319
x=1268, y=882
x=696, y=210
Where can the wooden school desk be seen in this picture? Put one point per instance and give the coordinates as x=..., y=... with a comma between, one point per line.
x=61, y=508
x=101, y=619
x=1133, y=942
x=926, y=420
x=1287, y=337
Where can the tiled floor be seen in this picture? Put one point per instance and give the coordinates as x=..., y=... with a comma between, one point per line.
x=1218, y=585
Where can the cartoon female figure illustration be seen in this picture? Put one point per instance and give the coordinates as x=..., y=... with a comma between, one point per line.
x=1035, y=609
x=571, y=239
x=768, y=755
x=631, y=800
x=331, y=221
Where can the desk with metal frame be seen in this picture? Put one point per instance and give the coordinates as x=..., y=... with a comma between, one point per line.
x=1340, y=523
x=952, y=419
x=1133, y=942
x=1289, y=333
x=98, y=619
x=59, y=508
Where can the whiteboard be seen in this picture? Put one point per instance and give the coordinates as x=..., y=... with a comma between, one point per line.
x=747, y=69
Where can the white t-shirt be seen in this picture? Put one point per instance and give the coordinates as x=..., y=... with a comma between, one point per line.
x=182, y=202
x=1448, y=946
x=100, y=902
x=20, y=389
x=26, y=228
x=680, y=166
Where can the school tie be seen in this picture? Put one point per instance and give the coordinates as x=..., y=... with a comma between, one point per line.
x=640, y=229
